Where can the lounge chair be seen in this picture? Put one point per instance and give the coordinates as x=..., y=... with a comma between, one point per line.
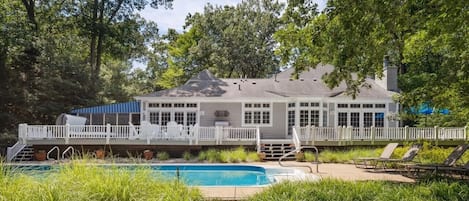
x=450, y=161
x=370, y=162
x=460, y=170
x=407, y=157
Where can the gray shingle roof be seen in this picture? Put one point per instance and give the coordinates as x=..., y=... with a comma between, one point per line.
x=309, y=85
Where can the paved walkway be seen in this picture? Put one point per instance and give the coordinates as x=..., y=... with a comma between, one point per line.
x=328, y=170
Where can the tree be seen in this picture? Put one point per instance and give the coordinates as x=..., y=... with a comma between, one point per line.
x=229, y=41
x=424, y=39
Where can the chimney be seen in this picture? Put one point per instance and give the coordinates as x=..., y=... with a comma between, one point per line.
x=389, y=79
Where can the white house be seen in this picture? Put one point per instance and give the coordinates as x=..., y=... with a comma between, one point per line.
x=274, y=104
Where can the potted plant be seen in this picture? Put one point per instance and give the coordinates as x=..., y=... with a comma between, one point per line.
x=100, y=153
x=300, y=156
x=40, y=155
x=261, y=156
x=147, y=154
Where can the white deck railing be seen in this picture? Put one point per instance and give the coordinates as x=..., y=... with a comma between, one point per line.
x=218, y=135
x=148, y=132
x=381, y=134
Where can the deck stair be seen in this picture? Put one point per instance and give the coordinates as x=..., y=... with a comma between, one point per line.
x=26, y=154
x=275, y=151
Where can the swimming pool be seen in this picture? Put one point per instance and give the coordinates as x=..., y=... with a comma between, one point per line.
x=203, y=174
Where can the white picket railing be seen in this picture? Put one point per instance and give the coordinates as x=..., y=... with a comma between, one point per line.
x=191, y=134
x=381, y=134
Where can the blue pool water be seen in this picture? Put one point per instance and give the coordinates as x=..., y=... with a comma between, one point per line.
x=194, y=175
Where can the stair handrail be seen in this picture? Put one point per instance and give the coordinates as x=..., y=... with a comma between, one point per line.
x=14, y=150
x=316, y=158
x=69, y=148
x=50, y=151
x=296, y=139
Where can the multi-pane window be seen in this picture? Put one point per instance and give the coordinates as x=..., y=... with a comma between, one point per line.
x=342, y=105
x=179, y=104
x=314, y=104
x=257, y=113
x=247, y=117
x=291, y=121
x=379, y=119
x=367, y=105
x=155, y=117
x=354, y=105
x=191, y=105
x=181, y=113
x=304, y=118
x=355, y=119
x=314, y=118
x=257, y=117
x=166, y=105
x=367, y=119
x=191, y=118
x=303, y=104
x=179, y=117
x=290, y=105
x=266, y=117
x=165, y=118
x=153, y=105
x=380, y=105
x=342, y=118
x=324, y=118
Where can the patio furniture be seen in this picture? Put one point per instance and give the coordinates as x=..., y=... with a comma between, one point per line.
x=406, y=158
x=450, y=161
x=370, y=162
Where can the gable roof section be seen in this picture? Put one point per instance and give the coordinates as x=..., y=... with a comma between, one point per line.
x=310, y=84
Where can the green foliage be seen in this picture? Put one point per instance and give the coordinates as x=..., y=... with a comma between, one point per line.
x=162, y=156
x=80, y=181
x=427, y=154
x=427, y=41
x=329, y=189
x=187, y=155
x=230, y=41
x=343, y=156
x=228, y=156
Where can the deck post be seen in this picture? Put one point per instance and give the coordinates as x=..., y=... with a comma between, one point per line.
x=196, y=134
x=372, y=133
x=218, y=135
x=67, y=133
x=406, y=133
x=108, y=133
x=465, y=133
x=312, y=134
x=435, y=130
x=350, y=133
x=23, y=132
x=308, y=133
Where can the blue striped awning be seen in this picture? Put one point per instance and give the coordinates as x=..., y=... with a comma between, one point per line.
x=127, y=107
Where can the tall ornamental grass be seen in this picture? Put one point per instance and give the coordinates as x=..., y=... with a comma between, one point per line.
x=427, y=154
x=79, y=181
x=329, y=189
x=228, y=156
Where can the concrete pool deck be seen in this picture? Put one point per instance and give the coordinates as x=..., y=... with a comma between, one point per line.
x=346, y=172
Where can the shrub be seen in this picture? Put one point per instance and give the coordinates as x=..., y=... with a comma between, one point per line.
x=187, y=155
x=162, y=156
x=252, y=157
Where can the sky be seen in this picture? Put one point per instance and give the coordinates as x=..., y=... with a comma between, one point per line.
x=175, y=18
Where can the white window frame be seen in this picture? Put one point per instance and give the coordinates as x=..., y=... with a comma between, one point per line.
x=172, y=110
x=260, y=109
